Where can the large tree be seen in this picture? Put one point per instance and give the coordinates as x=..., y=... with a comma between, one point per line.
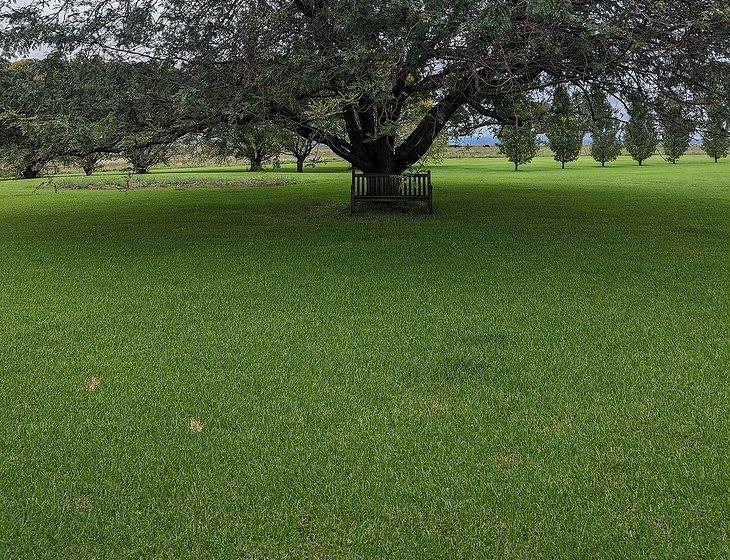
x=143, y=157
x=28, y=145
x=343, y=71
x=80, y=110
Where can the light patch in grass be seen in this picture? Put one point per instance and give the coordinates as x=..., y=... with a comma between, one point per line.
x=195, y=426
x=92, y=384
x=82, y=505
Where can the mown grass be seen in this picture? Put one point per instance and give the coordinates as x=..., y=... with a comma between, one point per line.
x=540, y=369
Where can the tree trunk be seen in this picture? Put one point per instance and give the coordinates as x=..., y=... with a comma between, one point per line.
x=88, y=170
x=603, y=164
x=380, y=157
x=516, y=166
x=563, y=165
x=367, y=151
x=639, y=163
x=256, y=165
x=716, y=158
x=300, y=165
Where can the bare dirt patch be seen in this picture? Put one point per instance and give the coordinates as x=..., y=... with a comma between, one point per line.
x=180, y=184
x=91, y=384
x=195, y=426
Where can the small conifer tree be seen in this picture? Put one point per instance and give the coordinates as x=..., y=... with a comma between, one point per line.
x=716, y=139
x=641, y=136
x=604, y=129
x=518, y=142
x=563, y=130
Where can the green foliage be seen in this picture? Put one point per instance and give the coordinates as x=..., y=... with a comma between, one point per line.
x=676, y=128
x=143, y=155
x=260, y=142
x=436, y=152
x=563, y=128
x=414, y=111
x=604, y=128
x=361, y=64
x=87, y=136
x=28, y=145
x=80, y=110
x=641, y=138
x=31, y=133
x=518, y=142
x=716, y=137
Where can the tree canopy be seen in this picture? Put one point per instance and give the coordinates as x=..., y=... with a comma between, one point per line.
x=345, y=72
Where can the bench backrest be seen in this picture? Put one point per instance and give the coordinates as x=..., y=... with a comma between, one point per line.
x=376, y=184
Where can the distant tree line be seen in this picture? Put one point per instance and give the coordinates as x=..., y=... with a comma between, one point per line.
x=663, y=126
x=83, y=110
x=80, y=112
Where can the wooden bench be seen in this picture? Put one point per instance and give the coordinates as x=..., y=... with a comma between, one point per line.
x=372, y=187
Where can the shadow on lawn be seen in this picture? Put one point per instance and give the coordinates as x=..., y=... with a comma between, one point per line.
x=166, y=220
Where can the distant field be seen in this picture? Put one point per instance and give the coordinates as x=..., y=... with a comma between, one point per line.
x=326, y=158
x=538, y=370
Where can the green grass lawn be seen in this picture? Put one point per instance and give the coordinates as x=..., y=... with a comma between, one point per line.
x=538, y=370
